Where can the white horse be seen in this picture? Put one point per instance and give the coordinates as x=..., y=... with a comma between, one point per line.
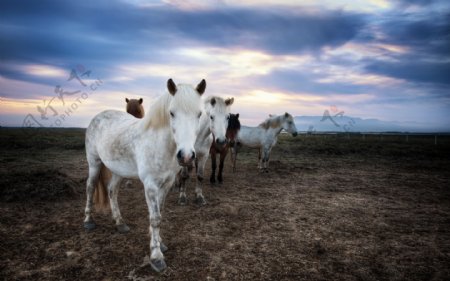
x=264, y=137
x=150, y=149
x=213, y=125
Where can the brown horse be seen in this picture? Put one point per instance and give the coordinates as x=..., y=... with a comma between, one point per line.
x=134, y=107
x=232, y=130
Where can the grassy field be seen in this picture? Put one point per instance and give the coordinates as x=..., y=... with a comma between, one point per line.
x=332, y=207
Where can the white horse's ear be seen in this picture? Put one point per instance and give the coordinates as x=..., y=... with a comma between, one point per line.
x=213, y=101
x=127, y=100
x=286, y=114
x=271, y=115
x=229, y=101
x=171, y=87
x=201, y=87
x=141, y=101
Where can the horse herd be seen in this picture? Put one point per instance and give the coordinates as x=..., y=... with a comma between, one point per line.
x=179, y=132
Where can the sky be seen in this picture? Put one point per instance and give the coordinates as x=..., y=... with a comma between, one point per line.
x=62, y=62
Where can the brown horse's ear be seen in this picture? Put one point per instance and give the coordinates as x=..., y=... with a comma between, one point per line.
x=127, y=100
x=237, y=115
x=141, y=100
x=201, y=87
x=213, y=101
x=171, y=87
x=229, y=101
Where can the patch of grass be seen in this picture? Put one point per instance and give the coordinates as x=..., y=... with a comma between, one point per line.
x=42, y=138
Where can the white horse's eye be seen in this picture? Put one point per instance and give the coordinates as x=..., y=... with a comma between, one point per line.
x=171, y=114
x=199, y=115
x=212, y=117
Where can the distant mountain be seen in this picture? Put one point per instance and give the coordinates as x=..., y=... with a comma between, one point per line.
x=354, y=124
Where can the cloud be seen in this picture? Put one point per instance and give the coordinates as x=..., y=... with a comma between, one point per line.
x=84, y=31
x=421, y=72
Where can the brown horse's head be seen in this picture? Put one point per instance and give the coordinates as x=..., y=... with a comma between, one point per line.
x=233, y=127
x=135, y=108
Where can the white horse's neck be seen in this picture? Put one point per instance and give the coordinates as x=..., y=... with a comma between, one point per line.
x=273, y=125
x=157, y=116
x=205, y=129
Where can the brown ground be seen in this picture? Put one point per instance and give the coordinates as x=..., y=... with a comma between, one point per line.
x=330, y=208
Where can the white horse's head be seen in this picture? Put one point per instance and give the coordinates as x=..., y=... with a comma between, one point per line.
x=288, y=124
x=185, y=111
x=218, y=112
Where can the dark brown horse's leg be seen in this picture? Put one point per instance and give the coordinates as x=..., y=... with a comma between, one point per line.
x=223, y=155
x=212, y=179
x=233, y=156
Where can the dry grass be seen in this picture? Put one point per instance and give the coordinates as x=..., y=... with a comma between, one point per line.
x=330, y=208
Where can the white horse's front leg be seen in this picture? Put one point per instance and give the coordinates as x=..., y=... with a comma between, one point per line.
x=154, y=200
x=200, y=200
x=183, y=176
x=260, y=157
x=265, y=158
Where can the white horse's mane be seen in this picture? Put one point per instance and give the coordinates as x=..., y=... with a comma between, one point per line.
x=158, y=115
x=274, y=121
x=219, y=104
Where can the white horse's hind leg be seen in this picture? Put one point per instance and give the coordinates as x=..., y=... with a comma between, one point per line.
x=113, y=191
x=199, y=184
x=94, y=172
x=154, y=199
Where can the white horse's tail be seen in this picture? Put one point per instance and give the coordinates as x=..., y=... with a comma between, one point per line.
x=101, y=198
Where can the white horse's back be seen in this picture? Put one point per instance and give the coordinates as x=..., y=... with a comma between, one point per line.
x=106, y=138
x=251, y=136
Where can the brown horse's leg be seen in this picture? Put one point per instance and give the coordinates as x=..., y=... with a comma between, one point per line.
x=212, y=179
x=233, y=156
x=223, y=155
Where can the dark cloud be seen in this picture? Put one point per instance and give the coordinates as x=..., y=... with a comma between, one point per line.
x=421, y=72
x=415, y=2
x=304, y=82
x=103, y=30
x=425, y=35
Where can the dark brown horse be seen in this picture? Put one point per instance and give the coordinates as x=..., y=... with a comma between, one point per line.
x=232, y=130
x=135, y=108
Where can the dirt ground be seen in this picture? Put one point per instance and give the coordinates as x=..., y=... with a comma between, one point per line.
x=330, y=208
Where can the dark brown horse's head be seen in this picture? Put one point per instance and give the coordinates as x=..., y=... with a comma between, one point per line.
x=233, y=127
x=135, y=108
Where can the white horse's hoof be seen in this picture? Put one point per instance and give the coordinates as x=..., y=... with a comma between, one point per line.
x=158, y=265
x=182, y=201
x=89, y=225
x=200, y=201
x=163, y=247
x=123, y=228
